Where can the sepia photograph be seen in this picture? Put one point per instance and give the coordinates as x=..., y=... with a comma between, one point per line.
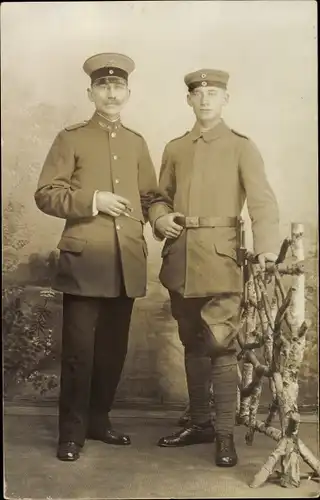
x=160, y=249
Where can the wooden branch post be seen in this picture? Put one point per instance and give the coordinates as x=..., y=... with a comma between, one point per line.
x=294, y=356
x=247, y=370
x=290, y=462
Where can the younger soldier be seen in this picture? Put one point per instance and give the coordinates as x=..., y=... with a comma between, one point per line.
x=97, y=176
x=207, y=175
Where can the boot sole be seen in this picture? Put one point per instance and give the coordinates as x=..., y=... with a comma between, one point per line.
x=107, y=442
x=227, y=465
x=68, y=459
x=180, y=445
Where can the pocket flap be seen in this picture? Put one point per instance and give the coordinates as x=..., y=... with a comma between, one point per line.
x=225, y=248
x=70, y=244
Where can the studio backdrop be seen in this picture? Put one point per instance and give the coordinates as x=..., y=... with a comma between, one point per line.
x=269, y=51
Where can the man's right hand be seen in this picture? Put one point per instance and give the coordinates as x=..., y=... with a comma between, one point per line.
x=111, y=204
x=166, y=226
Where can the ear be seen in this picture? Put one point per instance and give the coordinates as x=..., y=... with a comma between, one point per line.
x=189, y=99
x=226, y=98
x=89, y=93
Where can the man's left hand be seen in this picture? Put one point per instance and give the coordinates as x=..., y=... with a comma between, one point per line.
x=263, y=258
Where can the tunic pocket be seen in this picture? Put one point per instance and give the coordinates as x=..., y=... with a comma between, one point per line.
x=225, y=248
x=70, y=244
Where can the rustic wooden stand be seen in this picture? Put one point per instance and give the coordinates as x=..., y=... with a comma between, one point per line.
x=276, y=323
x=272, y=338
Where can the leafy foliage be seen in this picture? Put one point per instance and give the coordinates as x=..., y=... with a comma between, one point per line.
x=27, y=341
x=310, y=369
x=14, y=237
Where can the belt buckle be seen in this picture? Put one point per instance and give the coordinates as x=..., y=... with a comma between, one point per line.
x=192, y=221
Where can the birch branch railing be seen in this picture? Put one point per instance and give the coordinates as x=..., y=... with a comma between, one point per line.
x=275, y=322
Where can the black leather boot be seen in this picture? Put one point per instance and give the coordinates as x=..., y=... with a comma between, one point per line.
x=226, y=455
x=193, y=434
x=68, y=451
x=185, y=418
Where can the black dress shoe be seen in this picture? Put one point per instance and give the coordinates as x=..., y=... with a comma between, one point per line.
x=226, y=455
x=68, y=451
x=109, y=436
x=185, y=419
x=194, y=434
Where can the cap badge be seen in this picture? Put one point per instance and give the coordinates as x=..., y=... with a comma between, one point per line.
x=111, y=71
x=204, y=84
x=203, y=75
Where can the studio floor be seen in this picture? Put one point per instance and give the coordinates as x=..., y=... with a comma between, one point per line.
x=142, y=470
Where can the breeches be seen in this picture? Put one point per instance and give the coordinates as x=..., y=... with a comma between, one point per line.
x=207, y=325
x=207, y=329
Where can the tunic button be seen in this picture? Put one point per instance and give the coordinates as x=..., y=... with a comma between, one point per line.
x=118, y=227
x=113, y=134
x=115, y=157
x=117, y=181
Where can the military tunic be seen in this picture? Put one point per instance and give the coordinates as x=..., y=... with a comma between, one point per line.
x=211, y=174
x=96, y=250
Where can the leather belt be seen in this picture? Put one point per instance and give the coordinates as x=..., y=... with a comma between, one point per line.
x=189, y=222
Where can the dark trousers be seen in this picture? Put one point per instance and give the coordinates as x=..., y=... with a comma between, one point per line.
x=94, y=346
x=206, y=329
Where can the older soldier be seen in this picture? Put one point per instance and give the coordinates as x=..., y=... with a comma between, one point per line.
x=96, y=176
x=206, y=175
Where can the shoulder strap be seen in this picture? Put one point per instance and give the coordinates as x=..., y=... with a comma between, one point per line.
x=77, y=125
x=180, y=136
x=240, y=135
x=133, y=131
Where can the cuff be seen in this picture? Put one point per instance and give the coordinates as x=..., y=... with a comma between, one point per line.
x=266, y=239
x=157, y=236
x=95, y=211
x=155, y=212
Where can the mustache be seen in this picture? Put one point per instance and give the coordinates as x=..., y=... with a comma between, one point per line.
x=113, y=101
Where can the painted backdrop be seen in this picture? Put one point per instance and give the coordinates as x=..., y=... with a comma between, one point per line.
x=269, y=48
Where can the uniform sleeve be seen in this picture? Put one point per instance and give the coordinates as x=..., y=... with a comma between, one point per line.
x=167, y=188
x=55, y=194
x=147, y=180
x=262, y=204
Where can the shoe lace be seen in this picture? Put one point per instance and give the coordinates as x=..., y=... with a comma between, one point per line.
x=224, y=443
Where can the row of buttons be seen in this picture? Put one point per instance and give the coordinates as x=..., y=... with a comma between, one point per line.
x=115, y=157
x=113, y=135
